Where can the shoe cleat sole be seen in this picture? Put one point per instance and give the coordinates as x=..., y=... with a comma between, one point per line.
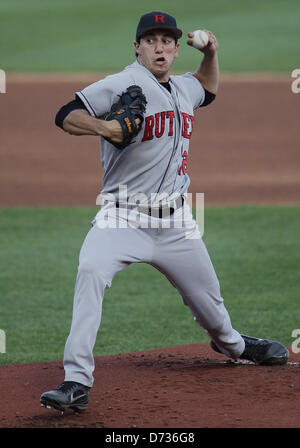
x=53, y=404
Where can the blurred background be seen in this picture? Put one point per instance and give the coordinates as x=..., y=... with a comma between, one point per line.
x=248, y=138
x=97, y=35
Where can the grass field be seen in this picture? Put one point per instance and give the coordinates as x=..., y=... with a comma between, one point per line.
x=255, y=250
x=93, y=35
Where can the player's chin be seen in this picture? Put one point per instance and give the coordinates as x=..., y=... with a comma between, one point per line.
x=160, y=69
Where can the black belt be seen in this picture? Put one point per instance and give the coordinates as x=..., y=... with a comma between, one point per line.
x=157, y=212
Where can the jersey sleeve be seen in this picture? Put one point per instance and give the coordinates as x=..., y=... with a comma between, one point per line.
x=99, y=96
x=195, y=89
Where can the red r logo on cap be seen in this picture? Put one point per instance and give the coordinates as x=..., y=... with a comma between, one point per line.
x=159, y=18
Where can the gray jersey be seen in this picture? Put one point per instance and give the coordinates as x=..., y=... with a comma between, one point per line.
x=156, y=161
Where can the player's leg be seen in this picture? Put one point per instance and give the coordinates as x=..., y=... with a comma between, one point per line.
x=104, y=253
x=187, y=264
x=106, y=250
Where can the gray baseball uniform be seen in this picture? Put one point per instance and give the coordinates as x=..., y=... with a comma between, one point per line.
x=154, y=164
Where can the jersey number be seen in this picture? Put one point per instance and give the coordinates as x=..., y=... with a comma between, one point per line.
x=183, y=166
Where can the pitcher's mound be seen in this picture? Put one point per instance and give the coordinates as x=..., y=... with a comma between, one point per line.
x=177, y=387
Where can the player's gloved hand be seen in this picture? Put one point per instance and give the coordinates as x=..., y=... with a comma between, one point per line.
x=129, y=112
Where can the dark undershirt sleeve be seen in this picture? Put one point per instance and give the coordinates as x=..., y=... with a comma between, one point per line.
x=209, y=97
x=78, y=104
x=66, y=109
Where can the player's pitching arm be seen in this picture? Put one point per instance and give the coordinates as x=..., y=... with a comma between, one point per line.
x=208, y=72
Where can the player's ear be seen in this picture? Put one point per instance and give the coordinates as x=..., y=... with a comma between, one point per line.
x=136, y=46
x=177, y=47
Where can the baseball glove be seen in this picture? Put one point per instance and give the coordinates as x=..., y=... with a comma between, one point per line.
x=130, y=106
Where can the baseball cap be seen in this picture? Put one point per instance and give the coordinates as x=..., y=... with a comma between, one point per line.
x=157, y=20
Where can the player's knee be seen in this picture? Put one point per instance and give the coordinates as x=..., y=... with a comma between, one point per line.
x=89, y=268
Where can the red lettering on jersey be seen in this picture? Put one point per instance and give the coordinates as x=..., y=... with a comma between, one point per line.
x=149, y=124
x=160, y=128
x=183, y=166
x=159, y=18
x=187, y=125
x=155, y=125
x=170, y=115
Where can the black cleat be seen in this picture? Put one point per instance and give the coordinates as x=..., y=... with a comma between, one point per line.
x=68, y=395
x=262, y=351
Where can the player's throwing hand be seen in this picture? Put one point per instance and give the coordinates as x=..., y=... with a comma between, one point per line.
x=206, y=46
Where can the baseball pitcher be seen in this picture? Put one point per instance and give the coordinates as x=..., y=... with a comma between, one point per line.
x=145, y=118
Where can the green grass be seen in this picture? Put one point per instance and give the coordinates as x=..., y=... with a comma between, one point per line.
x=255, y=250
x=93, y=35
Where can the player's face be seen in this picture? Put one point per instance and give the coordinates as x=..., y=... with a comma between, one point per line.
x=157, y=51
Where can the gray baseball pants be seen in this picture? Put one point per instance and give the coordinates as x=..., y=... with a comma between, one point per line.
x=178, y=253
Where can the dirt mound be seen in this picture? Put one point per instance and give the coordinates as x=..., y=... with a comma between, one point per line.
x=178, y=387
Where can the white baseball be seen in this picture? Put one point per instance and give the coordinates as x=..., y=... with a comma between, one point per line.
x=200, y=39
